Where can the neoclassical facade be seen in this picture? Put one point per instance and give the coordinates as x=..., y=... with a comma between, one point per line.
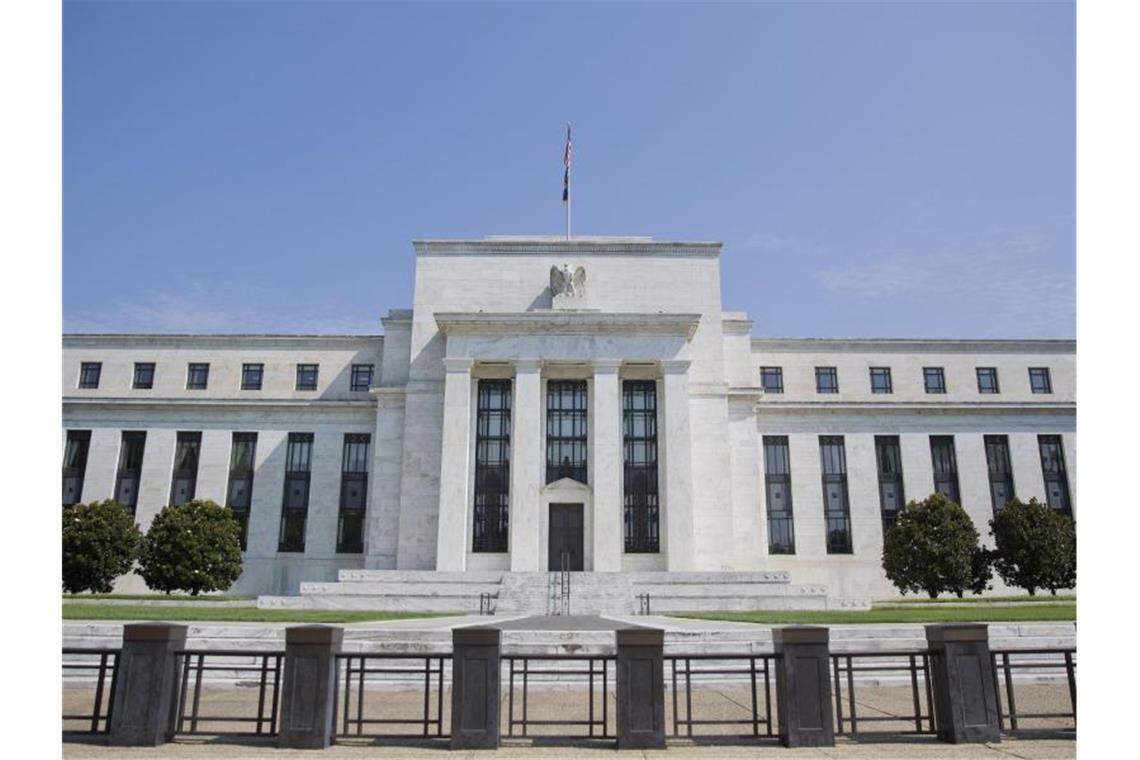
x=584, y=404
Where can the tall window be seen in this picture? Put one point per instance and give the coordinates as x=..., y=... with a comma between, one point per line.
x=144, y=376
x=945, y=466
x=1039, y=380
x=185, y=476
x=836, y=511
x=934, y=378
x=772, y=379
x=639, y=437
x=295, y=507
x=987, y=380
x=89, y=373
x=239, y=493
x=361, y=378
x=1000, y=469
x=251, y=376
x=566, y=430
x=888, y=455
x=197, y=376
x=129, y=476
x=778, y=489
x=353, y=493
x=75, y=465
x=826, y=380
x=492, y=466
x=881, y=380
x=1053, y=468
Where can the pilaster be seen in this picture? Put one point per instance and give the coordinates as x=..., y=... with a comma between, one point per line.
x=454, y=466
x=526, y=465
x=606, y=470
x=678, y=471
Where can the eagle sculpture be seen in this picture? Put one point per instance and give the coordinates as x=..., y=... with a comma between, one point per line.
x=563, y=282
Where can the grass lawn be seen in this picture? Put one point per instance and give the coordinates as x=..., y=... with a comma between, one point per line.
x=160, y=597
x=980, y=614
x=227, y=614
x=1044, y=598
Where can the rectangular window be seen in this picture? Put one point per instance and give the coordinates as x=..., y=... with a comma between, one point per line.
x=144, y=376
x=945, y=466
x=836, y=511
x=639, y=451
x=566, y=430
x=361, y=377
x=1000, y=469
x=295, y=505
x=306, y=377
x=251, y=376
x=826, y=380
x=1053, y=468
x=129, y=476
x=778, y=489
x=881, y=380
x=239, y=492
x=353, y=493
x=197, y=377
x=987, y=380
x=934, y=378
x=772, y=379
x=89, y=373
x=185, y=477
x=75, y=465
x=888, y=455
x=492, y=466
x=1039, y=380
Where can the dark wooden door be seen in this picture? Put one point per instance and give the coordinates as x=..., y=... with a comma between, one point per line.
x=566, y=536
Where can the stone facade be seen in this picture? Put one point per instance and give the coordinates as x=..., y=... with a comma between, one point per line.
x=642, y=311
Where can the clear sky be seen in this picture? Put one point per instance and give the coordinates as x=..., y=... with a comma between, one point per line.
x=897, y=169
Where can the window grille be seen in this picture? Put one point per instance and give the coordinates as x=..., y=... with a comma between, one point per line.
x=778, y=490
x=566, y=430
x=492, y=466
x=639, y=438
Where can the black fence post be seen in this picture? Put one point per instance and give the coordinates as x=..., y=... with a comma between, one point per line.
x=308, y=689
x=475, y=687
x=146, y=696
x=640, y=688
x=803, y=686
x=965, y=702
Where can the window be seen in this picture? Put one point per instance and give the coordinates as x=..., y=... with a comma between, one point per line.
x=1053, y=468
x=1001, y=472
x=353, y=493
x=987, y=380
x=306, y=377
x=239, y=492
x=641, y=516
x=826, y=380
x=89, y=374
x=197, y=376
x=492, y=466
x=144, y=376
x=945, y=466
x=361, y=377
x=1039, y=380
x=881, y=380
x=130, y=468
x=778, y=490
x=772, y=379
x=566, y=430
x=75, y=465
x=836, y=511
x=295, y=506
x=251, y=376
x=185, y=477
x=888, y=455
x=934, y=378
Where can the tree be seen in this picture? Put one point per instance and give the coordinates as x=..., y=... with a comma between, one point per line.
x=931, y=548
x=100, y=543
x=1036, y=547
x=191, y=547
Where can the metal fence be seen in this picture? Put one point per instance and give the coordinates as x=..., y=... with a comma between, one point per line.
x=1043, y=662
x=913, y=665
x=235, y=665
x=596, y=673
x=104, y=665
x=419, y=671
x=711, y=672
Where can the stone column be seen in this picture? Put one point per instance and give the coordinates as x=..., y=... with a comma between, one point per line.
x=308, y=691
x=383, y=516
x=526, y=465
x=475, y=688
x=803, y=688
x=455, y=467
x=965, y=704
x=640, y=688
x=606, y=466
x=146, y=696
x=678, y=470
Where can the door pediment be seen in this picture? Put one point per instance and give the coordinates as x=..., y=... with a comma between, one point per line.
x=567, y=486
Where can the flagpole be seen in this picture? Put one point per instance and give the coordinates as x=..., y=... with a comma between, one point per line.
x=569, y=195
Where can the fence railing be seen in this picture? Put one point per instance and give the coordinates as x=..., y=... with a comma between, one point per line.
x=913, y=665
x=596, y=674
x=419, y=671
x=265, y=668
x=1042, y=661
x=717, y=668
x=103, y=664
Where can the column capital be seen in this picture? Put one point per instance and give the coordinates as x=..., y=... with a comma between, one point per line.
x=458, y=364
x=606, y=366
x=528, y=365
x=675, y=366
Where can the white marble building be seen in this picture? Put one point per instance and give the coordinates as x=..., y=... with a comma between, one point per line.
x=628, y=424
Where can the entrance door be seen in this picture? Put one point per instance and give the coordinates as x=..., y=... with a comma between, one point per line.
x=565, y=536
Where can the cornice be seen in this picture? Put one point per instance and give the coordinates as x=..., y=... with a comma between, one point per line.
x=215, y=403
x=913, y=407
x=139, y=340
x=914, y=345
x=565, y=323
x=585, y=246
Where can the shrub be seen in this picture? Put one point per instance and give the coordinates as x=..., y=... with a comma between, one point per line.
x=931, y=547
x=1036, y=547
x=100, y=543
x=192, y=547
x=982, y=570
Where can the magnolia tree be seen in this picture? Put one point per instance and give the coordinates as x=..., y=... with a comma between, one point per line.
x=192, y=547
x=100, y=543
x=933, y=548
x=1036, y=547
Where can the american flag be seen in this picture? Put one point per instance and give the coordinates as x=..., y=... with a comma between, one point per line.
x=566, y=164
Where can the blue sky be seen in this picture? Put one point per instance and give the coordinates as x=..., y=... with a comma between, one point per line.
x=898, y=169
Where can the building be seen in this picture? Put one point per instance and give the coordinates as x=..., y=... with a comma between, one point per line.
x=551, y=403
